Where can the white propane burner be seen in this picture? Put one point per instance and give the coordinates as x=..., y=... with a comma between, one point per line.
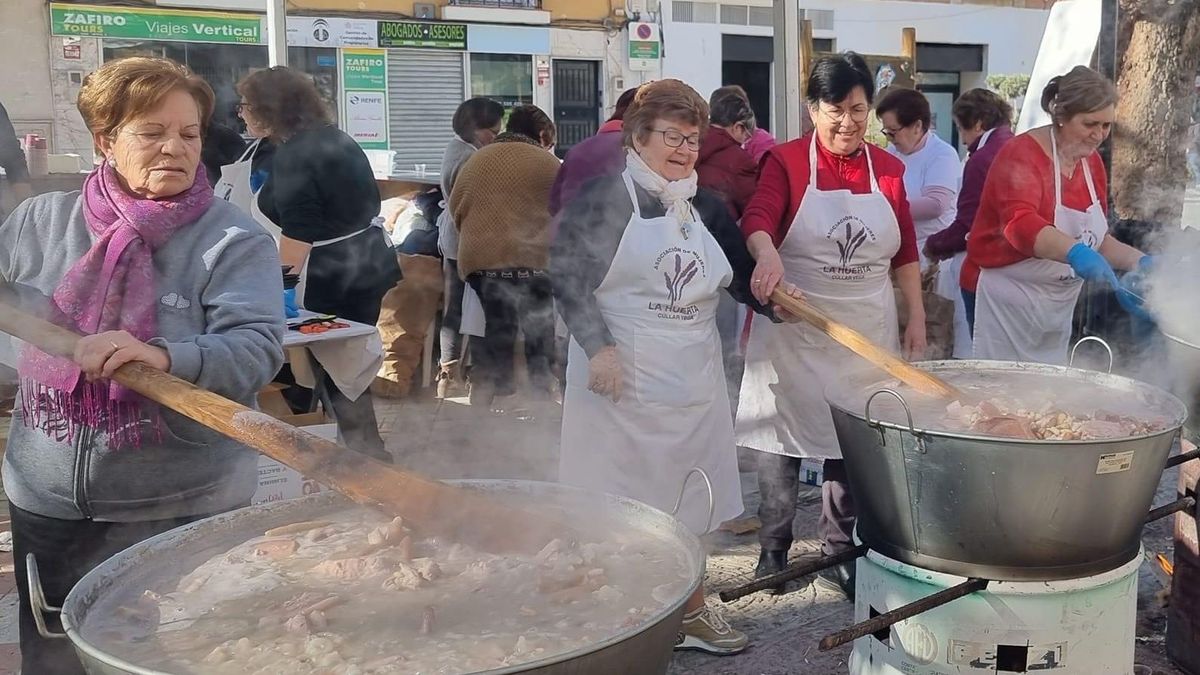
x=1080, y=626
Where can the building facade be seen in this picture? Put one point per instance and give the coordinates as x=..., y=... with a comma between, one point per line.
x=959, y=44
x=394, y=72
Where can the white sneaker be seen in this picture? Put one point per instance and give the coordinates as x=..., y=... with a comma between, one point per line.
x=706, y=630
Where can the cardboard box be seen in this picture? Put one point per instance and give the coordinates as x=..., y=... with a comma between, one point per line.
x=812, y=471
x=277, y=482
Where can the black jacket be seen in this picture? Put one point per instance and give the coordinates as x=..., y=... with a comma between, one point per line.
x=590, y=229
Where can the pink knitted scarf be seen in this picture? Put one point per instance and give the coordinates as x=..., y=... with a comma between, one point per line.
x=112, y=287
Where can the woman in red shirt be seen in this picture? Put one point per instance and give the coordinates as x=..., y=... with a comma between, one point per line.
x=1041, y=228
x=830, y=216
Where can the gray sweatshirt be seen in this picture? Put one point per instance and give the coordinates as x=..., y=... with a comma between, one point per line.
x=220, y=317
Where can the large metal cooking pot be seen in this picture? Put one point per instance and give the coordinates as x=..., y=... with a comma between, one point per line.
x=644, y=649
x=996, y=508
x=1184, y=356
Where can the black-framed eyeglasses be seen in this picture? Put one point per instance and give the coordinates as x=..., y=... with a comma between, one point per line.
x=674, y=139
x=890, y=133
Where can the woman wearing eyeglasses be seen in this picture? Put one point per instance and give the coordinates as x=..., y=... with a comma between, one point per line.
x=831, y=217
x=637, y=266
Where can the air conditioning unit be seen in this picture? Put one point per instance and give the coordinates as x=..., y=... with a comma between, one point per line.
x=425, y=10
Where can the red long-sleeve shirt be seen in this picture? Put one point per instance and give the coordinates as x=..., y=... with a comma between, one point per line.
x=1018, y=201
x=784, y=179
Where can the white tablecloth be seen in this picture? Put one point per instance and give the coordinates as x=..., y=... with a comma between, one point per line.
x=351, y=355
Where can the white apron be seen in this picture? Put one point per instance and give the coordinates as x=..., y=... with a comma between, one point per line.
x=838, y=252
x=659, y=300
x=950, y=287
x=234, y=187
x=1023, y=311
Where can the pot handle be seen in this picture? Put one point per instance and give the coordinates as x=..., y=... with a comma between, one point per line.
x=878, y=426
x=1093, y=338
x=712, y=502
x=37, y=599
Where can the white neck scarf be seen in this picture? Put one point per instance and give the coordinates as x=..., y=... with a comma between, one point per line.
x=673, y=194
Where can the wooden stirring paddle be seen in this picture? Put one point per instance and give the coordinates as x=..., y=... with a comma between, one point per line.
x=429, y=506
x=921, y=380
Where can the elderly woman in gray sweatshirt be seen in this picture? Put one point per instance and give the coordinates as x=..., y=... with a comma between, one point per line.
x=151, y=268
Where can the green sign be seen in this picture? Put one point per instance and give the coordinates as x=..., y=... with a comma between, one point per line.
x=644, y=50
x=154, y=24
x=364, y=69
x=422, y=34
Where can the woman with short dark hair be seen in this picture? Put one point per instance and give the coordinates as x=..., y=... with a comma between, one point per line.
x=724, y=167
x=1042, y=230
x=320, y=190
x=476, y=124
x=931, y=167
x=831, y=217
x=501, y=208
x=984, y=122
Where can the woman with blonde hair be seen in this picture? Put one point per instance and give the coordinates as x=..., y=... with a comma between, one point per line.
x=1042, y=228
x=637, y=267
x=151, y=268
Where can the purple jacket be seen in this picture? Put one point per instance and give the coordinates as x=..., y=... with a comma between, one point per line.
x=953, y=239
x=600, y=155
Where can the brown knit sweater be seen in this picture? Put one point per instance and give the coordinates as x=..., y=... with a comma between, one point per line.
x=500, y=204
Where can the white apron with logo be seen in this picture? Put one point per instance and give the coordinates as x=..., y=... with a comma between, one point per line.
x=234, y=187
x=659, y=301
x=838, y=252
x=1023, y=311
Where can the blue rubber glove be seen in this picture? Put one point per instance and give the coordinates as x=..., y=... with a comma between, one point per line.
x=290, y=310
x=1132, y=292
x=1133, y=302
x=1090, y=265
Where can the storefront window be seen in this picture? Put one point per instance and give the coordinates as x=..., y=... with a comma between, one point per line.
x=506, y=78
x=223, y=65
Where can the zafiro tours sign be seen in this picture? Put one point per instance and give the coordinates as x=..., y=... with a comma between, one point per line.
x=155, y=24
x=365, y=97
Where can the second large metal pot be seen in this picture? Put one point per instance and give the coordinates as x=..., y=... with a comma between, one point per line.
x=1005, y=509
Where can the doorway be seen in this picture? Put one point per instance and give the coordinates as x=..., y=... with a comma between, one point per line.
x=942, y=90
x=746, y=62
x=576, y=102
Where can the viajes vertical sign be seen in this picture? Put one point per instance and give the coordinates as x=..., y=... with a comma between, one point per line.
x=155, y=24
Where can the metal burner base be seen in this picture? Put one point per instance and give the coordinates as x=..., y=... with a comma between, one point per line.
x=1080, y=626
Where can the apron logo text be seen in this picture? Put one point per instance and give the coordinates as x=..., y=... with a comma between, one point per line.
x=677, y=274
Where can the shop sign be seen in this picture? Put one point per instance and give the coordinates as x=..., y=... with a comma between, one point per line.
x=364, y=85
x=422, y=34
x=307, y=31
x=154, y=24
x=645, y=48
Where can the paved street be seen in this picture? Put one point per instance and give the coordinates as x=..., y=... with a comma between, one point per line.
x=450, y=440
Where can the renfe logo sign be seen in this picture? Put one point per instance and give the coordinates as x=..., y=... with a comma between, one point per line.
x=154, y=24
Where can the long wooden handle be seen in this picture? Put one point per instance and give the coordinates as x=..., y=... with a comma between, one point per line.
x=922, y=381
x=429, y=505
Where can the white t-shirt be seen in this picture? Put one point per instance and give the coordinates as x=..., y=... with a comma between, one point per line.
x=937, y=164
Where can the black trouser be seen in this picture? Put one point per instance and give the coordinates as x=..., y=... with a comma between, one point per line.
x=450, y=336
x=356, y=423
x=779, y=485
x=512, y=300
x=65, y=551
x=969, y=307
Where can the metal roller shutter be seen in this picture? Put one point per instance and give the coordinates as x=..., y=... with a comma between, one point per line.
x=425, y=87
